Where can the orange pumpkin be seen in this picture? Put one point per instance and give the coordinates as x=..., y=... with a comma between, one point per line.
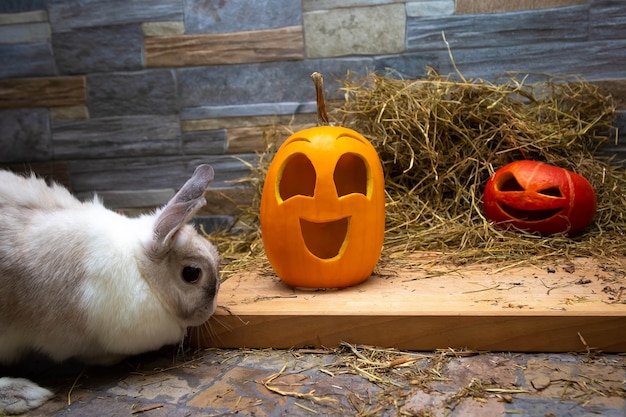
x=323, y=208
x=538, y=197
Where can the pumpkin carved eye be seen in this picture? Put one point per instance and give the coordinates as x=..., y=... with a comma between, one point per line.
x=350, y=175
x=508, y=183
x=552, y=192
x=297, y=178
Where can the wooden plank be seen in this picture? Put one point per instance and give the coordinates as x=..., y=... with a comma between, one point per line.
x=496, y=6
x=43, y=92
x=225, y=48
x=421, y=308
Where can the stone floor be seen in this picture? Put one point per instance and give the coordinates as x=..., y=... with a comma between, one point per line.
x=350, y=381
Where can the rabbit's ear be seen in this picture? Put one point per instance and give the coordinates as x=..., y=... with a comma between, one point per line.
x=179, y=210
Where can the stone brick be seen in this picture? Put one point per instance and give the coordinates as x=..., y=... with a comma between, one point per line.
x=24, y=33
x=316, y=5
x=66, y=15
x=545, y=407
x=18, y=6
x=203, y=16
x=491, y=407
x=240, y=122
x=246, y=139
x=246, y=110
x=26, y=60
x=497, y=6
x=154, y=172
x=42, y=92
x=274, y=82
x=24, y=135
x=494, y=369
x=355, y=31
x=163, y=28
x=593, y=60
x=56, y=171
x=225, y=48
x=205, y=142
x=230, y=201
x=100, y=49
x=116, y=137
x=571, y=381
x=408, y=65
x=430, y=8
x=226, y=394
x=23, y=17
x=132, y=93
x=427, y=404
x=607, y=19
x=509, y=29
x=69, y=113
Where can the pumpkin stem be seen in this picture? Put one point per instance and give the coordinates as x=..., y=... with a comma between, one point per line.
x=322, y=114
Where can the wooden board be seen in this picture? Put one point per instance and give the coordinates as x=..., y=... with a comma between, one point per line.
x=416, y=307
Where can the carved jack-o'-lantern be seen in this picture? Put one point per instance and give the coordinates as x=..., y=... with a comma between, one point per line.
x=323, y=208
x=540, y=198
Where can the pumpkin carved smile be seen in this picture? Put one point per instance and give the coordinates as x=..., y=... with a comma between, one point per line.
x=528, y=215
x=325, y=239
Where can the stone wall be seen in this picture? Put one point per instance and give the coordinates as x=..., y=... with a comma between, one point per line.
x=126, y=97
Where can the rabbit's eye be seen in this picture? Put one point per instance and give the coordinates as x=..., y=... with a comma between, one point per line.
x=191, y=274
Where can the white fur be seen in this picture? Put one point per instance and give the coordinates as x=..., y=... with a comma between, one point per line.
x=78, y=280
x=18, y=395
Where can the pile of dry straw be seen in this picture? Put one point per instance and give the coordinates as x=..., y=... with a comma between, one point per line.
x=440, y=138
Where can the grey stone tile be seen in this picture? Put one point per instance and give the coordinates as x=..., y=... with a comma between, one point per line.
x=101, y=49
x=246, y=110
x=24, y=135
x=67, y=15
x=120, y=136
x=523, y=28
x=540, y=407
x=17, y=6
x=24, y=33
x=153, y=172
x=225, y=85
x=131, y=93
x=26, y=60
x=203, y=16
x=370, y=30
x=593, y=60
x=429, y=8
x=407, y=65
x=607, y=19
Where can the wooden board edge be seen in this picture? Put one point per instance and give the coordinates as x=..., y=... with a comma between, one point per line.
x=417, y=333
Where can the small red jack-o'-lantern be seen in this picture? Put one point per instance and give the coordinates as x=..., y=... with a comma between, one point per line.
x=323, y=208
x=541, y=198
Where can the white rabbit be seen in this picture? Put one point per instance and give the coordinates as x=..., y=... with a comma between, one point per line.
x=80, y=281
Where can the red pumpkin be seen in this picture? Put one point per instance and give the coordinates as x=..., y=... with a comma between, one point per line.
x=537, y=197
x=323, y=208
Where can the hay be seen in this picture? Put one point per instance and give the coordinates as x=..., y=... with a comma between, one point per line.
x=439, y=140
